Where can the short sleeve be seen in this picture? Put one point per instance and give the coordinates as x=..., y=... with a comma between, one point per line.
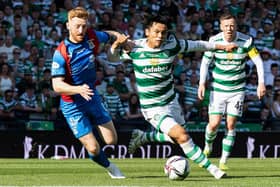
x=58, y=65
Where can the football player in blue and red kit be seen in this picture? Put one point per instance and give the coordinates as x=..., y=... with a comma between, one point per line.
x=73, y=76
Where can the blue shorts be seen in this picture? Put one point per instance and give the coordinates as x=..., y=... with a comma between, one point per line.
x=81, y=118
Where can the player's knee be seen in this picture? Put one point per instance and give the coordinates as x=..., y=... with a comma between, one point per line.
x=184, y=137
x=179, y=134
x=94, y=150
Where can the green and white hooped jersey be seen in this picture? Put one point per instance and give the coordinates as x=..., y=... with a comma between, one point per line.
x=229, y=67
x=153, y=71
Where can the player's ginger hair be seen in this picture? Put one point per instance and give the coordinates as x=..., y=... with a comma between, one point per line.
x=79, y=12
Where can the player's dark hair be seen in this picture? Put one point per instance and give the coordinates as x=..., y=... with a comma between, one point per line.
x=163, y=19
x=226, y=16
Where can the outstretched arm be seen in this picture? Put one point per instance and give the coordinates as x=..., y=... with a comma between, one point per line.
x=208, y=46
x=119, y=41
x=115, y=52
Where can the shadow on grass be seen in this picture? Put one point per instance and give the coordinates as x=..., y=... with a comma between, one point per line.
x=206, y=178
x=164, y=177
x=143, y=177
x=252, y=176
x=38, y=171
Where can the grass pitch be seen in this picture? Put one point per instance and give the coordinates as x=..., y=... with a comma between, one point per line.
x=139, y=172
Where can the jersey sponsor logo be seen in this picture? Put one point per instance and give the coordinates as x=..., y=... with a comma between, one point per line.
x=55, y=65
x=155, y=69
x=230, y=62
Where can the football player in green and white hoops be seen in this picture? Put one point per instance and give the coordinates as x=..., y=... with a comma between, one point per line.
x=152, y=59
x=228, y=83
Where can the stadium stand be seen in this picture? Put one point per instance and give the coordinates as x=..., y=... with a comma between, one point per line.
x=31, y=30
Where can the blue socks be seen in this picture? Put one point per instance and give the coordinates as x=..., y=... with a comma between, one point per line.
x=101, y=159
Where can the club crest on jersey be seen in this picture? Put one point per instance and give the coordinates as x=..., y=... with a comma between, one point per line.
x=91, y=44
x=229, y=56
x=154, y=61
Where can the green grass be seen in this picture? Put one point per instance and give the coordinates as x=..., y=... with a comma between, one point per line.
x=139, y=172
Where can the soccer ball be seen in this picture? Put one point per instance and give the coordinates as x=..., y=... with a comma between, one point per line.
x=177, y=168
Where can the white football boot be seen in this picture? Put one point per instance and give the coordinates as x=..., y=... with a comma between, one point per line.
x=216, y=172
x=115, y=172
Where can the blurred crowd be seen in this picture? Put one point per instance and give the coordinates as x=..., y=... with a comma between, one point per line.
x=30, y=31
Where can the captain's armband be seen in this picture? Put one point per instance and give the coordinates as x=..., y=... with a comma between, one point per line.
x=253, y=52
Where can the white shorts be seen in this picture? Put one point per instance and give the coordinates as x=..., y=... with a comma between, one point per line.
x=226, y=103
x=164, y=118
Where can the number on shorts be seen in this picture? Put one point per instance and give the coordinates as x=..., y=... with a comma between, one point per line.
x=239, y=105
